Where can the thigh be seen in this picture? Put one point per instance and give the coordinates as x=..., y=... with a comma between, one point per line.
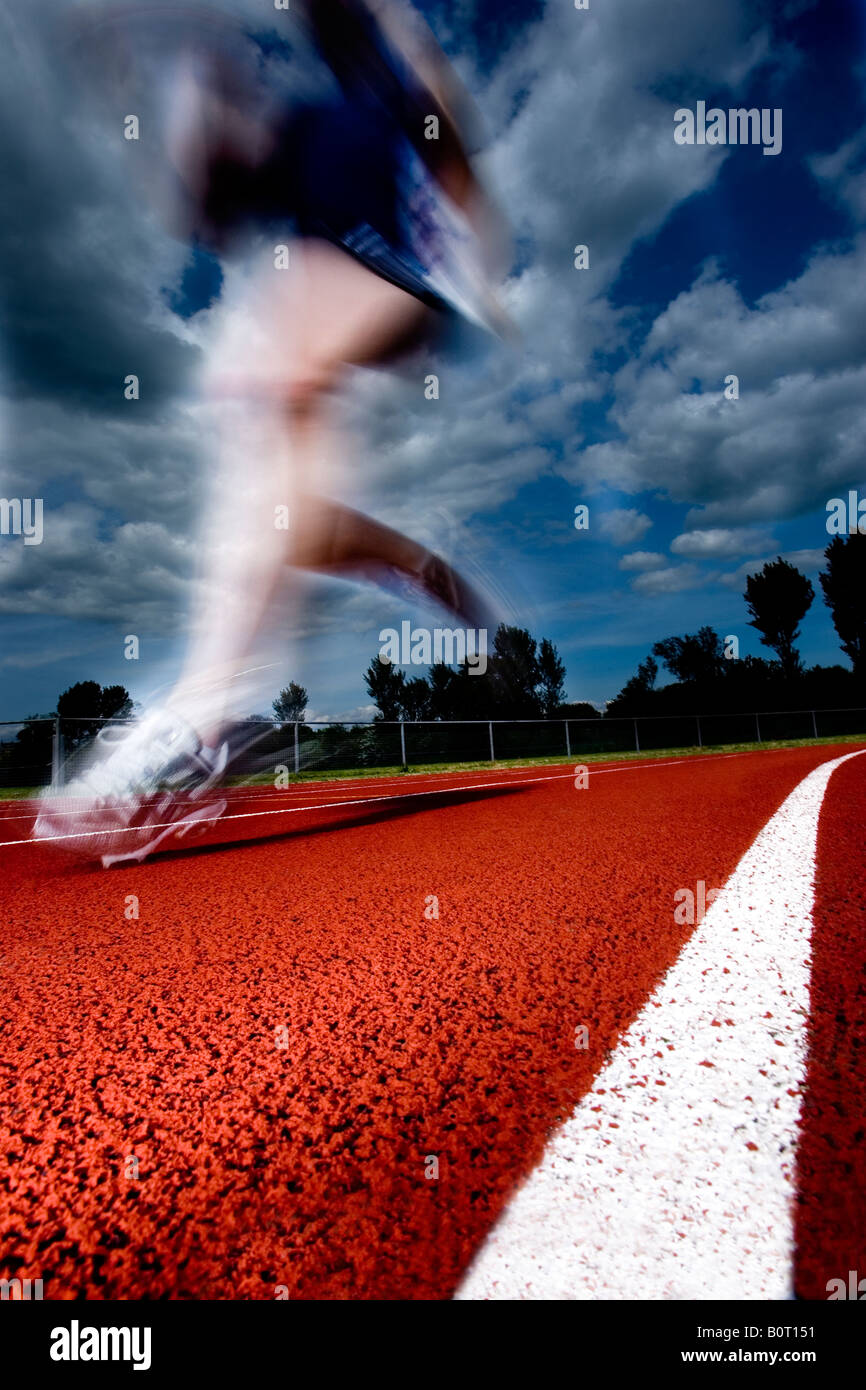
x=300, y=327
x=348, y=315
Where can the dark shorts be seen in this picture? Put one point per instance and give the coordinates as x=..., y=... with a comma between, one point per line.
x=336, y=174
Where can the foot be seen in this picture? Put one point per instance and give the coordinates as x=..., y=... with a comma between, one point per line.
x=444, y=584
x=115, y=798
x=438, y=580
x=173, y=818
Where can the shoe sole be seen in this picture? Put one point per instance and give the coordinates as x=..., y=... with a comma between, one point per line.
x=194, y=821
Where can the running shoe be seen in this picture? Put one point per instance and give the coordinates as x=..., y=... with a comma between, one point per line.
x=114, y=804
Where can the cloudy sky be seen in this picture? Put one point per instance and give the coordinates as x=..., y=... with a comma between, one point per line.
x=705, y=261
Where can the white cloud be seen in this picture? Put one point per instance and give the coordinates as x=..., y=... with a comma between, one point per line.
x=624, y=525
x=719, y=541
x=792, y=439
x=842, y=176
x=643, y=560
x=673, y=580
x=361, y=714
x=809, y=561
x=139, y=577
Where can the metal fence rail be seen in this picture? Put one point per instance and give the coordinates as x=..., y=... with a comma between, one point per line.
x=34, y=752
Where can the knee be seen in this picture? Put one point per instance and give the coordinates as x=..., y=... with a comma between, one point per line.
x=304, y=393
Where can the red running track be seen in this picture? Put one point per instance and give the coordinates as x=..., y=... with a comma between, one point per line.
x=151, y=1044
x=831, y=1211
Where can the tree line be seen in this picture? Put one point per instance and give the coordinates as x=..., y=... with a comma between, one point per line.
x=84, y=709
x=709, y=678
x=525, y=679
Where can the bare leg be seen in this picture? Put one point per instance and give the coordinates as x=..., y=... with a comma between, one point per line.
x=281, y=353
x=333, y=539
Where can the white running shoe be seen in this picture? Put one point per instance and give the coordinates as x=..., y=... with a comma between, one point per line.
x=110, y=807
x=184, y=817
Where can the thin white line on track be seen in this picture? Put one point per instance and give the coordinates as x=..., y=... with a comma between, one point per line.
x=504, y=781
x=674, y=1177
x=296, y=810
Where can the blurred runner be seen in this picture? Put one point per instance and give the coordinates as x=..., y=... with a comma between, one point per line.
x=348, y=143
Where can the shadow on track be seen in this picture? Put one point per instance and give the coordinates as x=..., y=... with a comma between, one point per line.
x=395, y=809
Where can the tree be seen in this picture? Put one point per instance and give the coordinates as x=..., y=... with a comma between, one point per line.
x=519, y=683
x=699, y=656
x=29, y=758
x=636, y=693
x=415, y=701
x=85, y=706
x=551, y=678
x=778, y=598
x=580, y=709
x=515, y=674
x=844, y=585
x=443, y=691
x=290, y=705
x=475, y=696
x=115, y=702
x=385, y=684
x=647, y=672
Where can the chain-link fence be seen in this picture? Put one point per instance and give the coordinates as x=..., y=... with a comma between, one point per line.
x=27, y=753
x=33, y=752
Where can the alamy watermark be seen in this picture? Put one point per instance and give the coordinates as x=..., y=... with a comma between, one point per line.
x=21, y=1290
x=425, y=647
x=77, y=1343
x=854, y=1289
x=737, y=126
x=22, y=516
x=847, y=516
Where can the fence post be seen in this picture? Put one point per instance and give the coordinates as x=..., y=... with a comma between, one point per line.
x=758, y=727
x=698, y=722
x=403, y=743
x=636, y=739
x=492, y=752
x=57, y=756
x=297, y=749
x=567, y=742
x=814, y=725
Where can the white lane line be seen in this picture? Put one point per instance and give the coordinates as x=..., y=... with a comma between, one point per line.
x=674, y=1177
x=367, y=800
x=289, y=810
x=243, y=793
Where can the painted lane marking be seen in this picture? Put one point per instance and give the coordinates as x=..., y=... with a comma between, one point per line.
x=674, y=1177
x=369, y=800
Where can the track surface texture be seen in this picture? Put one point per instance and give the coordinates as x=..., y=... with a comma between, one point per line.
x=831, y=1207
x=242, y=1089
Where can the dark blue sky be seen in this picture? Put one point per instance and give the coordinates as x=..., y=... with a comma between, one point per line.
x=742, y=263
